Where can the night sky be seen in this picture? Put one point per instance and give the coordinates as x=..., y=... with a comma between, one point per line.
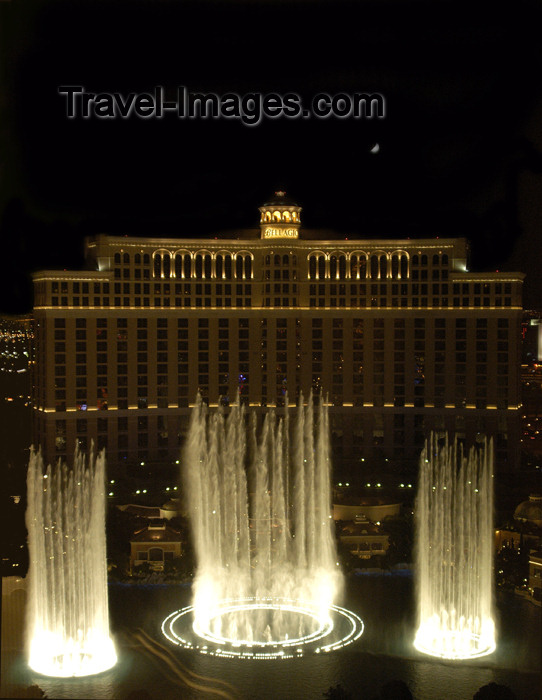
x=460, y=146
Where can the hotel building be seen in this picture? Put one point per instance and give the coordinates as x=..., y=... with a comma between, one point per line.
x=398, y=334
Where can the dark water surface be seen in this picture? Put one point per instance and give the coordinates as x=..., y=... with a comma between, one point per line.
x=384, y=652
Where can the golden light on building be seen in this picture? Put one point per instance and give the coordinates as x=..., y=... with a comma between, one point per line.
x=401, y=338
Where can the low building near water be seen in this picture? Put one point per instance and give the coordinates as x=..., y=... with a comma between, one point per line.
x=374, y=509
x=156, y=544
x=364, y=539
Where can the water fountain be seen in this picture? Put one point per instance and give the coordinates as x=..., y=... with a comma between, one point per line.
x=67, y=616
x=454, y=516
x=260, y=502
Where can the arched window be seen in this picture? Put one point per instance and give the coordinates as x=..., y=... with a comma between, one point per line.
x=321, y=267
x=268, y=260
x=444, y=259
x=248, y=267
x=358, y=266
x=374, y=267
x=294, y=259
x=167, y=266
x=157, y=265
x=187, y=265
x=312, y=268
x=415, y=260
x=137, y=259
x=126, y=259
x=383, y=267
x=207, y=267
x=404, y=267
x=286, y=216
x=277, y=259
x=295, y=216
x=219, y=266
x=178, y=266
x=424, y=260
x=239, y=267
x=354, y=267
x=395, y=267
x=333, y=267
x=199, y=266
x=285, y=260
x=146, y=259
x=117, y=258
x=227, y=267
x=342, y=267
x=268, y=216
x=276, y=216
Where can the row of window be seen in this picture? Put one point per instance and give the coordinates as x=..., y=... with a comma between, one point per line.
x=314, y=301
x=459, y=324
x=360, y=295
x=180, y=256
x=167, y=289
x=203, y=265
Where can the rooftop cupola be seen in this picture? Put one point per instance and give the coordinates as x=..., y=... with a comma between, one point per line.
x=280, y=217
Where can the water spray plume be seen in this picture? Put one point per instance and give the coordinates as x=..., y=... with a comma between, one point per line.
x=454, y=514
x=260, y=504
x=67, y=616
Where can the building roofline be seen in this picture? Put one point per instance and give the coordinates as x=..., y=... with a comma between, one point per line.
x=137, y=241
x=90, y=275
x=485, y=276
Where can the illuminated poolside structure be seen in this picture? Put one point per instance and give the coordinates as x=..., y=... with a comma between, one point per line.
x=67, y=617
x=260, y=505
x=454, y=515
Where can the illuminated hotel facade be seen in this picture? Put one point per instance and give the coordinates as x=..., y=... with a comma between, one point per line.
x=400, y=337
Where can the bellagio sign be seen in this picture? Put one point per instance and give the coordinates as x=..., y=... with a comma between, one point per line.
x=273, y=232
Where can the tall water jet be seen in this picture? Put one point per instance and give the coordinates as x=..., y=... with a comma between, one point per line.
x=454, y=518
x=67, y=615
x=260, y=506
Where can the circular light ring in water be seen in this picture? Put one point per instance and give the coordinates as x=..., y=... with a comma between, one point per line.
x=442, y=653
x=346, y=625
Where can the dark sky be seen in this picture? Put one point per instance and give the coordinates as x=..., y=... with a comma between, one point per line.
x=460, y=146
